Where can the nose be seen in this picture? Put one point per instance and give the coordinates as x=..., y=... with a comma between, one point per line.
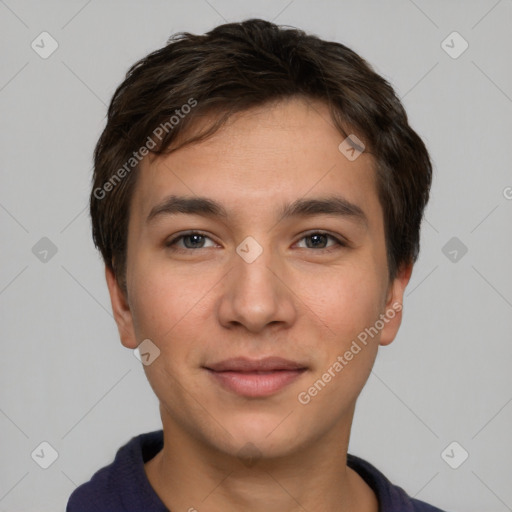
x=256, y=294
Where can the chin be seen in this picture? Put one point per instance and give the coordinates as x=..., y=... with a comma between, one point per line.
x=261, y=436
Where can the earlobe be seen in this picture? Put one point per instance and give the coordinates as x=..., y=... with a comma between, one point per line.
x=394, y=305
x=121, y=310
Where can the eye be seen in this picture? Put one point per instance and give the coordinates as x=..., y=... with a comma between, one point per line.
x=196, y=240
x=191, y=240
x=319, y=239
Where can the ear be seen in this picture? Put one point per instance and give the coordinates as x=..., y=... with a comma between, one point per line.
x=392, y=314
x=121, y=310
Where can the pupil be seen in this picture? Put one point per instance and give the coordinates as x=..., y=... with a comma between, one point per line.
x=317, y=237
x=195, y=238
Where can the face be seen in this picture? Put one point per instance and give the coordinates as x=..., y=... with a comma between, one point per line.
x=258, y=298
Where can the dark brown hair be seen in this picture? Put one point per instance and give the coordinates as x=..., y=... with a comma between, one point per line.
x=230, y=69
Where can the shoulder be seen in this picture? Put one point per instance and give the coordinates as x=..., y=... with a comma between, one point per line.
x=98, y=493
x=121, y=485
x=392, y=498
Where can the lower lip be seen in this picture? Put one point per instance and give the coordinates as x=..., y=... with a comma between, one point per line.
x=256, y=384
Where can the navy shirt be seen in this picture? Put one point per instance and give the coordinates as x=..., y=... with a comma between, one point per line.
x=123, y=486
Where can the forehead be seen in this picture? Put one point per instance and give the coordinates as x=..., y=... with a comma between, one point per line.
x=264, y=157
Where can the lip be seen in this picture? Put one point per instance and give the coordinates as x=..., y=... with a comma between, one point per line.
x=255, y=378
x=244, y=364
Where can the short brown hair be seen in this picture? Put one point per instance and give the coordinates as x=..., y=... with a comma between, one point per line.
x=230, y=69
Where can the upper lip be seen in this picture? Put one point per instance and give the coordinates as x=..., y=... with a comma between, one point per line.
x=243, y=364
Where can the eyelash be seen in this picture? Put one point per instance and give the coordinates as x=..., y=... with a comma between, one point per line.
x=172, y=243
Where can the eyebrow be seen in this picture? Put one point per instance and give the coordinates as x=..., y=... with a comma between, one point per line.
x=332, y=205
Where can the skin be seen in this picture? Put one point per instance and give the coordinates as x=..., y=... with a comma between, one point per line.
x=297, y=300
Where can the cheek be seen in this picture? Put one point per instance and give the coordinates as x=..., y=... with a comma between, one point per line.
x=350, y=304
x=163, y=311
x=158, y=302
x=171, y=306
x=347, y=300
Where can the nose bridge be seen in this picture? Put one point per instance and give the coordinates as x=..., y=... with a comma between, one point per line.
x=253, y=263
x=255, y=295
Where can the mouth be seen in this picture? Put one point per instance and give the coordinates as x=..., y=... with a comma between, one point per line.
x=255, y=378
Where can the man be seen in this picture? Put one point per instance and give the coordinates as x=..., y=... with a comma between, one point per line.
x=257, y=200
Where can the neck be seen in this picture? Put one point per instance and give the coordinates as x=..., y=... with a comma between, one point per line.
x=188, y=475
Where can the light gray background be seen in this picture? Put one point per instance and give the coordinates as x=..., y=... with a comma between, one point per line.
x=65, y=377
